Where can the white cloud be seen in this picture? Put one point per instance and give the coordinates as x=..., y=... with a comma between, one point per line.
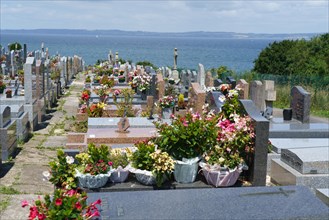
x=274, y=16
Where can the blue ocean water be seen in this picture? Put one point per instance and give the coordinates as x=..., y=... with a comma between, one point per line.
x=237, y=54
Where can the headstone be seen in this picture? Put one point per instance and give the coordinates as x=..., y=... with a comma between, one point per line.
x=8, y=137
x=257, y=95
x=5, y=116
x=201, y=76
x=217, y=82
x=300, y=104
x=197, y=97
x=175, y=76
x=123, y=125
x=189, y=77
x=160, y=86
x=244, y=89
x=28, y=80
x=270, y=93
x=257, y=172
x=231, y=81
x=209, y=80
x=194, y=76
x=12, y=62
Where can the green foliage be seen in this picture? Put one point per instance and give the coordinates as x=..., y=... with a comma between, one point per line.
x=118, y=158
x=187, y=136
x=123, y=102
x=98, y=153
x=141, y=158
x=8, y=190
x=15, y=46
x=147, y=63
x=62, y=172
x=295, y=57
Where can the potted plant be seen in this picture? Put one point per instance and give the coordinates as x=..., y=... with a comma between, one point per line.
x=151, y=166
x=166, y=104
x=186, y=139
x=224, y=162
x=121, y=78
x=94, y=166
x=120, y=164
x=62, y=171
x=2, y=86
x=96, y=110
x=9, y=93
x=181, y=102
x=142, y=82
x=102, y=91
x=64, y=204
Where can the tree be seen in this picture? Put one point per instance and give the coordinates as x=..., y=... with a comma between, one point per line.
x=15, y=46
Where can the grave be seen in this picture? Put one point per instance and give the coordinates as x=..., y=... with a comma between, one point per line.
x=312, y=160
x=300, y=104
x=22, y=121
x=294, y=202
x=8, y=143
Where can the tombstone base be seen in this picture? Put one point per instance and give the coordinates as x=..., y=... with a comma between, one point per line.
x=120, y=131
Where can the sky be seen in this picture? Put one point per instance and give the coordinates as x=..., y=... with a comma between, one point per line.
x=248, y=16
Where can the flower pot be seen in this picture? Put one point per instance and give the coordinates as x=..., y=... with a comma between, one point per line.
x=145, y=177
x=220, y=176
x=8, y=95
x=186, y=170
x=119, y=175
x=166, y=113
x=91, y=181
x=287, y=114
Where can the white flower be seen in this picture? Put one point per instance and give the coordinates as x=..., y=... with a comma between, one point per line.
x=46, y=175
x=69, y=159
x=222, y=98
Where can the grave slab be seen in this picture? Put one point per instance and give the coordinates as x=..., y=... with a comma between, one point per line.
x=323, y=195
x=307, y=130
x=291, y=143
x=135, y=122
x=307, y=160
x=283, y=174
x=294, y=202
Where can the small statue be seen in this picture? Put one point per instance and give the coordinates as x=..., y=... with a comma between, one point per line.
x=175, y=58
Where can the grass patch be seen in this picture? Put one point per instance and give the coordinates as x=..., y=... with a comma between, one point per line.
x=8, y=190
x=4, y=204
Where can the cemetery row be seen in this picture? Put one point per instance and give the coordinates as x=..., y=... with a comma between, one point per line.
x=30, y=85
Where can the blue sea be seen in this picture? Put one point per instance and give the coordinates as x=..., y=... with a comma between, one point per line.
x=237, y=54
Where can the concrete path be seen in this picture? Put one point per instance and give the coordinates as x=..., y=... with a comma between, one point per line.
x=21, y=177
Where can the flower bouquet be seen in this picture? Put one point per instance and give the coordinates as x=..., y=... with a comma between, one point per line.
x=94, y=166
x=2, y=86
x=142, y=82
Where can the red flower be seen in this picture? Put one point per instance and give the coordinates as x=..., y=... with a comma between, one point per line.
x=98, y=202
x=78, y=205
x=58, y=202
x=110, y=163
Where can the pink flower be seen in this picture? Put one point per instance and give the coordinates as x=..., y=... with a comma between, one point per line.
x=58, y=202
x=110, y=163
x=71, y=192
x=98, y=202
x=25, y=203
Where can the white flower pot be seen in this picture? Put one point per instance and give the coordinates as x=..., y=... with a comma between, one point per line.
x=220, y=176
x=186, y=170
x=119, y=175
x=92, y=181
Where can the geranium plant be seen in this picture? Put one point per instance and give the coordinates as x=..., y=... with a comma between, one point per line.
x=95, y=161
x=62, y=171
x=85, y=95
x=65, y=204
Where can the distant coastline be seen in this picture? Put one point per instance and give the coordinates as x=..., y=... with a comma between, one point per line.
x=203, y=34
